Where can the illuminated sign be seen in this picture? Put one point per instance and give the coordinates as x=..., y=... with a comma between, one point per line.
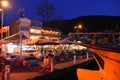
x=23, y=28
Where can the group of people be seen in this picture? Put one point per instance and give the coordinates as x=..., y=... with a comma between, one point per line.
x=61, y=55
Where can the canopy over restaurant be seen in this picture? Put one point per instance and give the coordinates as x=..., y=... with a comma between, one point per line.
x=15, y=38
x=9, y=44
x=41, y=41
x=66, y=41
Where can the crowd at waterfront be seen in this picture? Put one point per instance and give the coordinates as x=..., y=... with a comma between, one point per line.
x=44, y=56
x=58, y=55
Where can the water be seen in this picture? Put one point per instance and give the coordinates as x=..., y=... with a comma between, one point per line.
x=67, y=75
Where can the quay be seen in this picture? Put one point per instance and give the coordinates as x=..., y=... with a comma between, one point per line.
x=39, y=72
x=62, y=68
x=64, y=71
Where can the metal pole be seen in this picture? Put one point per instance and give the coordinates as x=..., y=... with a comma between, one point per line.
x=2, y=23
x=77, y=30
x=1, y=27
x=77, y=34
x=7, y=72
x=8, y=31
x=21, y=46
x=113, y=35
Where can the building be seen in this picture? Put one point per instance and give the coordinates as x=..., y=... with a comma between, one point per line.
x=24, y=29
x=32, y=29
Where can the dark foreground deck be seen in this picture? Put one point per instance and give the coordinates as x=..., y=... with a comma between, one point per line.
x=40, y=73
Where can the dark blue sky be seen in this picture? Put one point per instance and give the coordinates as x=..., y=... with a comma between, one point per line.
x=68, y=9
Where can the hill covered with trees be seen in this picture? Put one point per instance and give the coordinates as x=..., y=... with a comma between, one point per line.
x=90, y=23
x=94, y=23
x=98, y=23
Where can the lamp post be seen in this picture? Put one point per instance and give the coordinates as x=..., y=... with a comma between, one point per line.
x=77, y=29
x=1, y=22
x=4, y=3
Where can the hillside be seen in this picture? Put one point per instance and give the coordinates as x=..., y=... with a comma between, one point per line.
x=92, y=23
x=98, y=23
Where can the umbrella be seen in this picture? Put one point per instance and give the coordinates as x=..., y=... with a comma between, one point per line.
x=41, y=41
x=66, y=41
x=47, y=43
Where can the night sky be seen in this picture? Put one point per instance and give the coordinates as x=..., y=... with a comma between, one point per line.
x=68, y=9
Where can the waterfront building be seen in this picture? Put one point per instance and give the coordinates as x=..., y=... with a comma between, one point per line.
x=25, y=29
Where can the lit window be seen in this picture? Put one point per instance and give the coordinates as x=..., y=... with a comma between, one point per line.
x=35, y=31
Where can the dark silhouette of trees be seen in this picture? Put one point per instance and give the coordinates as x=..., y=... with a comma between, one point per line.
x=90, y=23
x=46, y=11
x=98, y=23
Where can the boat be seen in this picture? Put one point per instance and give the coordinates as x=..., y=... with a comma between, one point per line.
x=108, y=62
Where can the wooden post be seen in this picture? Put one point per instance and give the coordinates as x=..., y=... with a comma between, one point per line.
x=87, y=56
x=3, y=71
x=52, y=65
x=75, y=59
x=7, y=72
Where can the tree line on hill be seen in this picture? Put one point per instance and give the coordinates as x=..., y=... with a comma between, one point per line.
x=94, y=23
x=90, y=23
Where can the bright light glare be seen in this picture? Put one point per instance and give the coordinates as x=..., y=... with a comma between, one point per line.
x=80, y=26
x=4, y=3
x=0, y=9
